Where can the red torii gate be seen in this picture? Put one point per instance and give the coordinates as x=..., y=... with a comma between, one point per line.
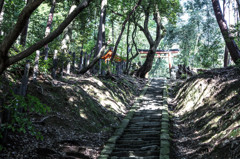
x=159, y=52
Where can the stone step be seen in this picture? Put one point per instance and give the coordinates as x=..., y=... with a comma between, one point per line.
x=127, y=135
x=143, y=132
x=145, y=123
x=146, y=116
x=144, y=148
x=146, y=157
x=146, y=120
x=137, y=142
x=140, y=138
x=147, y=113
x=135, y=153
x=136, y=146
x=135, y=130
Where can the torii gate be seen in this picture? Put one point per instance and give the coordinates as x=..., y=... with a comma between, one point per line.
x=159, y=52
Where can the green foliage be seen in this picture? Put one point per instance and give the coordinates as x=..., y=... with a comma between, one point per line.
x=12, y=9
x=235, y=132
x=238, y=63
x=183, y=76
x=200, y=43
x=45, y=65
x=20, y=109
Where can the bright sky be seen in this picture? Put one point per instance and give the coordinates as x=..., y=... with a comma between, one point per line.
x=229, y=15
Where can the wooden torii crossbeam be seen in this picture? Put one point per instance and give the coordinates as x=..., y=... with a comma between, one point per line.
x=160, y=52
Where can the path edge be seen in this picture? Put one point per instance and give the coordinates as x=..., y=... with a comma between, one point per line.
x=110, y=144
x=165, y=136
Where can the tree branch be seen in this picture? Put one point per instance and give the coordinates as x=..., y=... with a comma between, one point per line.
x=96, y=59
x=123, y=28
x=232, y=46
x=51, y=36
x=16, y=31
x=160, y=27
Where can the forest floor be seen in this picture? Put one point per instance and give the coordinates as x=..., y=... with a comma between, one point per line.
x=205, y=113
x=85, y=110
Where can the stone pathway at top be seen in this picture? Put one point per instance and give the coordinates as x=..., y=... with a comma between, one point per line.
x=142, y=136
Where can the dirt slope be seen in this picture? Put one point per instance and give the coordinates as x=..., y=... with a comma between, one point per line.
x=206, y=115
x=85, y=111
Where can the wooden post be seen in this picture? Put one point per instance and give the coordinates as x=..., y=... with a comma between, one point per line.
x=85, y=59
x=170, y=61
x=35, y=69
x=88, y=59
x=118, y=68
x=69, y=64
x=73, y=61
x=121, y=71
x=81, y=61
x=63, y=61
x=54, y=64
x=100, y=67
x=24, y=83
x=113, y=64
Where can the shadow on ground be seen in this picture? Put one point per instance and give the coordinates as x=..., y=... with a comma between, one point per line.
x=206, y=118
x=85, y=111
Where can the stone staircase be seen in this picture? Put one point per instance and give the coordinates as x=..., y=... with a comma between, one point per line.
x=141, y=137
x=144, y=132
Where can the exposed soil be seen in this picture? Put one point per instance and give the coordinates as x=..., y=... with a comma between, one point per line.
x=205, y=115
x=84, y=113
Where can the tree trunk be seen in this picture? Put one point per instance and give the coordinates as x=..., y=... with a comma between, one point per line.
x=136, y=48
x=238, y=6
x=48, y=28
x=73, y=62
x=69, y=63
x=65, y=43
x=226, y=57
x=1, y=5
x=55, y=61
x=226, y=49
x=24, y=82
x=232, y=46
x=9, y=40
x=1, y=13
x=23, y=37
x=95, y=60
x=147, y=66
x=101, y=27
x=113, y=31
x=123, y=28
x=35, y=69
x=128, y=48
x=80, y=66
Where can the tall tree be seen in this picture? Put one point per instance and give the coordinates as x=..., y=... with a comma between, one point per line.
x=146, y=67
x=238, y=6
x=48, y=28
x=232, y=46
x=101, y=27
x=226, y=49
x=1, y=13
x=67, y=37
x=123, y=28
x=23, y=38
x=128, y=48
x=1, y=5
x=155, y=10
x=8, y=41
x=101, y=45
